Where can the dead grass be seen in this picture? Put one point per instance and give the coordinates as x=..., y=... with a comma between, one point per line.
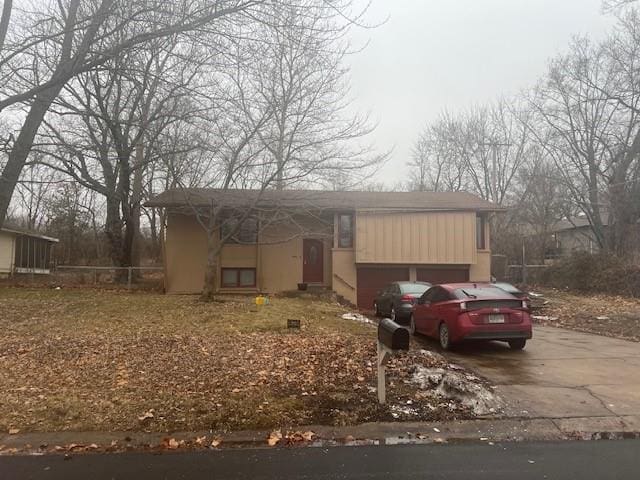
x=608, y=315
x=81, y=359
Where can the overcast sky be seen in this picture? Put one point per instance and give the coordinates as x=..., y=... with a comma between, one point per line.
x=437, y=54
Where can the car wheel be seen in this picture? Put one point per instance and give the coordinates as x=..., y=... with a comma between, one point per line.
x=376, y=309
x=392, y=314
x=445, y=341
x=412, y=325
x=517, y=344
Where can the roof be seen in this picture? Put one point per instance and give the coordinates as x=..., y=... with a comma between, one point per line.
x=28, y=233
x=323, y=200
x=572, y=223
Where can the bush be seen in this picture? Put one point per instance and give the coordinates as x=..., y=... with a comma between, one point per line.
x=600, y=273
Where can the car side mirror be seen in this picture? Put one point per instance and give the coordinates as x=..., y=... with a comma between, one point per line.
x=421, y=301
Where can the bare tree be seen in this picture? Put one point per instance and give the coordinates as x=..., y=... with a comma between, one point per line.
x=62, y=39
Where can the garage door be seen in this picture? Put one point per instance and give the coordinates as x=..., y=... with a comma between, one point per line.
x=442, y=275
x=372, y=279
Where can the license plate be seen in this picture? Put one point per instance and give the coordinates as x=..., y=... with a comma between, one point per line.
x=495, y=318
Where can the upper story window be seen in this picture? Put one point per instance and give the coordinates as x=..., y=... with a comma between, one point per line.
x=345, y=231
x=480, y=232
x=246, y=233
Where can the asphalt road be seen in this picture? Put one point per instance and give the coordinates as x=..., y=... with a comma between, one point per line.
x=601, y=460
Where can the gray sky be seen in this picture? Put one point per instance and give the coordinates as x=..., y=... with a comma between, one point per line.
x=449, y=54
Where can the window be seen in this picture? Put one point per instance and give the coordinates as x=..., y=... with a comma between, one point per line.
x=345, y=231
x=238, y=277
x=428, y=295
x=480, y=230
x=32, y=253
x=246, y=233
x=441, y=295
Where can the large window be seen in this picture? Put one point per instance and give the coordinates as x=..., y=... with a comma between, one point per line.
x=32, y=253
x=480, y=232
x=247, y=233
x=238, y=277
x=345, y=231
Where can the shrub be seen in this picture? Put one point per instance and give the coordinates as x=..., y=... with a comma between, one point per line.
x=599, y=273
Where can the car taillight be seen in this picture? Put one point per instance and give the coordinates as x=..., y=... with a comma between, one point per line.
x=407, y=299
x=525, y=305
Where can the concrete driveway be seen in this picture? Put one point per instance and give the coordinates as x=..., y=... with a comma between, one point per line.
x=563, y=375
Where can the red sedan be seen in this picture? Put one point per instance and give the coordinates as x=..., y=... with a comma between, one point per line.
x=471, y=311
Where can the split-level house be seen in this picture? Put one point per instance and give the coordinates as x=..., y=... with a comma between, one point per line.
x=350, y=242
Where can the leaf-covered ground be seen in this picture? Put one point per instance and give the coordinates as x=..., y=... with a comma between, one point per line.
x=84, y=359
x=607, y=315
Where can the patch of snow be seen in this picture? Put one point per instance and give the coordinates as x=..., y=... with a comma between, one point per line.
x=357, y=317
x=466, y=389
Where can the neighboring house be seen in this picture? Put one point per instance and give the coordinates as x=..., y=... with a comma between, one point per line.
x=22, y=251
x=574, y=235
x=351, y=242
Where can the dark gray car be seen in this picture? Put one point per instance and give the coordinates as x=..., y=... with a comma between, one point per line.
x=396, y=299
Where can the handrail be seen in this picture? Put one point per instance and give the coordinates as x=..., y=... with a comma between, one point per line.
x=344, y=281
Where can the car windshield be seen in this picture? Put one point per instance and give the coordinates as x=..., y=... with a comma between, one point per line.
x=479, y=292
x=417, y=288
x=507, y=287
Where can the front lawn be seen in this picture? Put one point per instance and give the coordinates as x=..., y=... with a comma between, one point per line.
x=608, y=315
x=85, y=359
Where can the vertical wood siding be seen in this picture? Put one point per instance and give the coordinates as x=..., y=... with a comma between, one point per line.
x=418, y=238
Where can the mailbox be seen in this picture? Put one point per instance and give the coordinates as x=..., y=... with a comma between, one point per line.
x=392, y=335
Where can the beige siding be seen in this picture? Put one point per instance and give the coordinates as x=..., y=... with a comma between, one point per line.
x=416, y=238
x=481, y=271
x=185, y=255
x=277, y=259
x=344, y=273
x=6, y=252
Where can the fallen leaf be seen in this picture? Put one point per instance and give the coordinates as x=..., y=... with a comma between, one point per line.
x=274, y=438
x=201, y=440
x=216, y=442
x=146, y=416
x=13, y=431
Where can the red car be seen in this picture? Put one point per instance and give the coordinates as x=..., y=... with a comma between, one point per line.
x=471, y=311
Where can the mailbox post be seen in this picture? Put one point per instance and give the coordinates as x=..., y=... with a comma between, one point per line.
x=391, y=338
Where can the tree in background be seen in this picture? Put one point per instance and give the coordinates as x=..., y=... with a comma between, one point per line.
x=48, y=43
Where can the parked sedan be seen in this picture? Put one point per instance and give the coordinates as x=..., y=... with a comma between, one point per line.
x=396, y=299
x=456, y=312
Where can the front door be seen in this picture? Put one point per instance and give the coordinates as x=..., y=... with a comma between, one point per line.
x=312, y=261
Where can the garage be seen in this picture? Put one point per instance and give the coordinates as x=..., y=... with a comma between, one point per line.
x=372, y=279
x=437, y=275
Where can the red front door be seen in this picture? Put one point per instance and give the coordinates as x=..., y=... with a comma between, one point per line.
x=312, y=261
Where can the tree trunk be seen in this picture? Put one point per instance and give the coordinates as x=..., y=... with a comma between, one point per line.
x=213, y=251
x=113, y=231
x=22, y=147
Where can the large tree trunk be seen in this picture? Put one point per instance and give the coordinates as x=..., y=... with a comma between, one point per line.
x=22, y=147
x=213, y=251
x=113, y=230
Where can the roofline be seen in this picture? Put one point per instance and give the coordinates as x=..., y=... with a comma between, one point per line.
x=29, y=234
x=373, y=210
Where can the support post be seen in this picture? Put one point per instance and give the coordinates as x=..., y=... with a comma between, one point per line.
x=384, y=353
x=129, y=274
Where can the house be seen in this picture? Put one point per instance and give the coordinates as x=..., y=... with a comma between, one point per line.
x=574, y=234
x=350, y=242
x=23, y=251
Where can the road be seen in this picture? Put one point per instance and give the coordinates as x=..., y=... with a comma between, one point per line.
x=562, y=374
x=601, y=460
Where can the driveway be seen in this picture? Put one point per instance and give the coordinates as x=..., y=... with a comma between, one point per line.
x=562, y=374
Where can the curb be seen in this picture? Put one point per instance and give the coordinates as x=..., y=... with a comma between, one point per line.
x=487, y=430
